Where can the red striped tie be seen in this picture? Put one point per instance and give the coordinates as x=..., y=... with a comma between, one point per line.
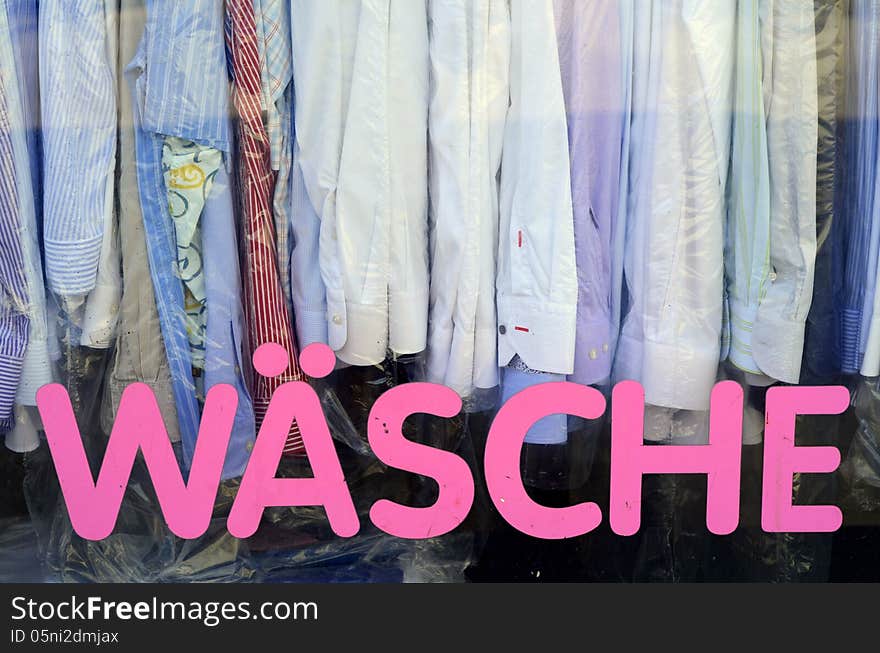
x=267, y=316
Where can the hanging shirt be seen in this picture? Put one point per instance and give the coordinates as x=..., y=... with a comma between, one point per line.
x=13, y=282
x=79, y=141
x=18, y=43
x=593, y=45
x=682, y=101
x=861, y=324
x=307, y=292
x=791, y=103
x=179, y=89
x=470, y=62
x=267, y=316
x=100, y=312
x=747, y=255
x=361, y=77
x=140, y=351
x=537, y=287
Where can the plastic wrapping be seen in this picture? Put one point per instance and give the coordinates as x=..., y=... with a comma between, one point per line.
x=484, y=194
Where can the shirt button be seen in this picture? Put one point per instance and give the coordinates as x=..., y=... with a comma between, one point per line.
x=594, y=354
x=502, y=329
x=249, y=446
x=337, y=319
x=772, y=276
x=605, y=348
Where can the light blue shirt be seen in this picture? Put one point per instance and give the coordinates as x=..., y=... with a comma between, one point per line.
x=308, y=293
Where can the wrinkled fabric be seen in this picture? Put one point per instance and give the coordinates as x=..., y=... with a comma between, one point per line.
x=18, y=40
x=536, y=283
x=76, y=91
x=140, y=351
x=593, y=46
x=683, y=70
x=204, y=120
x=470, y=60
x=771, y=244
x=361, y=74
x=13, y=284
x=98, y=317
x=791, y=101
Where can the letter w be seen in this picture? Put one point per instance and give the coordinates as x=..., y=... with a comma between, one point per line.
x=93, y=508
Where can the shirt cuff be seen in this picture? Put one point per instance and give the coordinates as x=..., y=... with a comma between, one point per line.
x=36, y=372
x=742, y=326
x=778, y=347
x=311, y=325
x=102, y=311
x=72, y=267
x=673, y=375
x=362, y=330
x=10, y=373
x=541, y=333
x=593, y=352
x=408, y=321
x=850, y=340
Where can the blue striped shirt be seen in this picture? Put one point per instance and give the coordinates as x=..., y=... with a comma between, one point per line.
x=78, y=107
x=863, y=232
x=13, y=283
x=17, y=44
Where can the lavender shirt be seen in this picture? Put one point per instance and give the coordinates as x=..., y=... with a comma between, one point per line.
x=592, y=56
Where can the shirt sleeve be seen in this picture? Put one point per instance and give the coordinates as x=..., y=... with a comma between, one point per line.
x=323, y=36
x=78, y=100
x=747, y=257
x=591, y=52
x=470, y=95
x=792, y=138
x=537, y=278
x=407, y=137
x=683, y=72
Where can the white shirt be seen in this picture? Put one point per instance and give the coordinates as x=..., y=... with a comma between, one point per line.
x=772, y=211
x=361, y=83
x=470, y=95
x=537, y=288
x=682, y=102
